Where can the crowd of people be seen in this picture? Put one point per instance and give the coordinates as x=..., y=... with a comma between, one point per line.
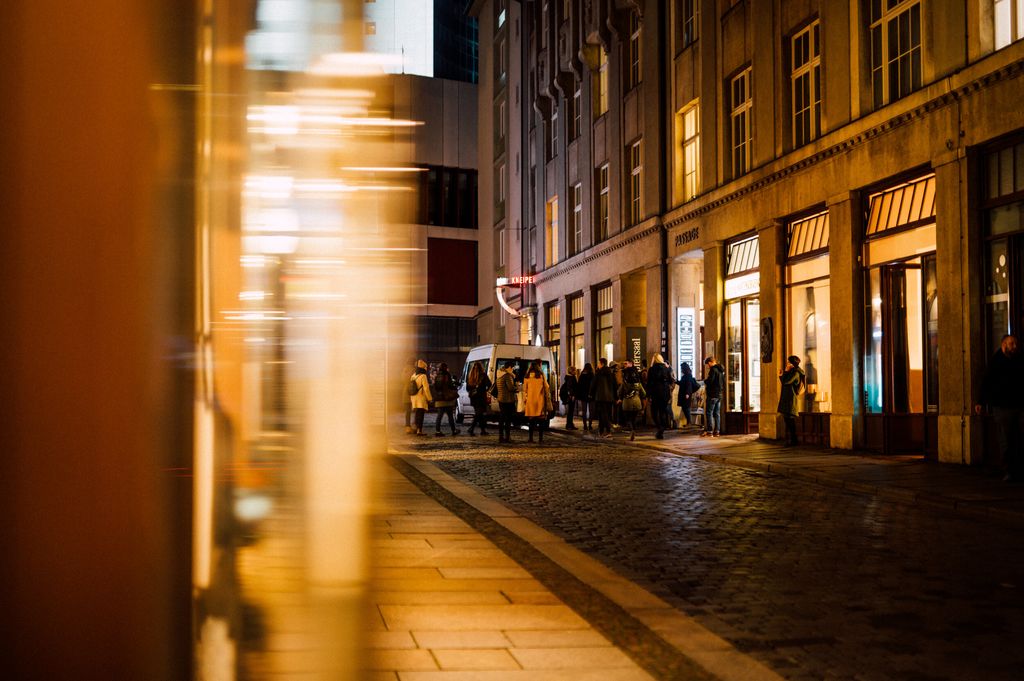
x=620, y=397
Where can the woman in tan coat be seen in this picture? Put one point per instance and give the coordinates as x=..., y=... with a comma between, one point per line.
x=534, y=391
x=422, y=399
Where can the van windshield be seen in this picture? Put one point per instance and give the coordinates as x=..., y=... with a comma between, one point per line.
x=523, y=365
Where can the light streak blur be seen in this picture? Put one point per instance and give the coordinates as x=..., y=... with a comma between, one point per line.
x=302, y=275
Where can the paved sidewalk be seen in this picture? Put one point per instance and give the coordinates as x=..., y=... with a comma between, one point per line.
x=904, y=479
x=449, y=605
x=467, y=589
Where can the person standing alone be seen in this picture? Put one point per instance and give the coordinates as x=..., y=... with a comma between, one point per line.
x=792, y=379
x=1002, y=391
x=568, y=397
x=445, y=397
x=714, y=382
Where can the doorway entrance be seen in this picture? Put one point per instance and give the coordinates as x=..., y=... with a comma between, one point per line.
x=743, y=365
x=901, y=366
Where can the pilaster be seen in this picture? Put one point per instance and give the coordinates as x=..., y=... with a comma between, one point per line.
x=771, y=244
x=846, y=293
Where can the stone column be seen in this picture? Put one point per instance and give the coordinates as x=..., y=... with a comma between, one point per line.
x=588, y=326
x=958, y=256
x=714, y=295
x=771, y=244
x=846, y=293
x=654, y=286
x=619, y=349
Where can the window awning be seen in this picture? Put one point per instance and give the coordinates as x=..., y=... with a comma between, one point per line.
x=808, y=235
x=743, y=256
x=902, y=205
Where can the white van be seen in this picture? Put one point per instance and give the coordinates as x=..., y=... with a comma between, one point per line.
x=492, y=357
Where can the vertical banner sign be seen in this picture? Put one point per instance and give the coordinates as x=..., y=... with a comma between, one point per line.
x=685, y=337
x=636, y=344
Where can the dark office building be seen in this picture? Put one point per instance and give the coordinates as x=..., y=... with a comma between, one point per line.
x=455, y=41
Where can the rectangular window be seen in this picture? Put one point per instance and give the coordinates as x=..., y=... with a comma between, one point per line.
x=577, y=321
x=531, y=247
x=601, y=84
x=501, y=13
x=576, y=238
x=740, y=114
x=686, y=22
x=601, y=225
x=499, y=237
x=577, y=112
x=805, y=82
x=1008, y=17
x=553, y=329
x=635, y=183
x=603, y=323
x=551, y=233
x=500, y=179
x=691, y=151
x=895, y=49
x=553, y=151
x=502, y=128
x=808, y=319
x=634, y=50
x=501, y=63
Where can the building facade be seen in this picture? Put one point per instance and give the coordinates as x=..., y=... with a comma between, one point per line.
x=754, y=179
x=445, y=237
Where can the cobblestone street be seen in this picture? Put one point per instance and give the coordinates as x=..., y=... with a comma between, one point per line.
x=816, y=582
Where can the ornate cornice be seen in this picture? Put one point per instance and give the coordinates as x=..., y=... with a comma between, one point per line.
x=583, y=259
x=1012, y=70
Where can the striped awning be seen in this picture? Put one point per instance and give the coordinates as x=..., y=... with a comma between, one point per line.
x=743, y=256
x=808, y=235
x=901, y=205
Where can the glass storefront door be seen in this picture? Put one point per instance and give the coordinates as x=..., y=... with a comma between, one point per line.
x=743, y=365
x=901, y=356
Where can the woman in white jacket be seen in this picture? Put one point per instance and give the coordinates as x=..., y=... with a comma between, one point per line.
x=422, y=399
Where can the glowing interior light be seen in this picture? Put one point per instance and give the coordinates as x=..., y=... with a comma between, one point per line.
x=355, y=64
x=269, y=186
x=252, y=295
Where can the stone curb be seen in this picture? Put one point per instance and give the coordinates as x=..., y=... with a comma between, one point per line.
x=700, y=647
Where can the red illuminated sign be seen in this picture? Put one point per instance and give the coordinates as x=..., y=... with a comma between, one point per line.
x=516, y=282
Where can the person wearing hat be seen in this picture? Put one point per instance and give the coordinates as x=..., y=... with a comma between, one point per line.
x=792, y=379
x=421, y=400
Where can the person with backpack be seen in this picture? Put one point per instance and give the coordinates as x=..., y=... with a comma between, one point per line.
x=714, y=383
x=445, y=397
x=506, y=388
x=419, y=394
x=631, y=398
x=687, y=387
x=478, y=387
x=568, y=396
x=792, y=379
x=659, y=387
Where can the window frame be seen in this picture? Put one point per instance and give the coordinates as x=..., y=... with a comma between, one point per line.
x=881, y=53
x=1015, y=28
x=688, y=142
x=576, y=243
x=634, y=56
x=551, y=232
x=809, y=72
x=635, y=194
x=741, y=115
x=600, y=82
x=602, y=225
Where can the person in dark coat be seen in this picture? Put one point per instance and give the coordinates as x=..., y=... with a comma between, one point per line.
x=687, y=387
x=792, y=379
x=1002, y=391
x=583, y=385
x=602, y=394
x=631, y=398
x=568, y=396
x=445, y=397
x=505, y=383
x=659, y=388
x=478, y=385
x=714, y=384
